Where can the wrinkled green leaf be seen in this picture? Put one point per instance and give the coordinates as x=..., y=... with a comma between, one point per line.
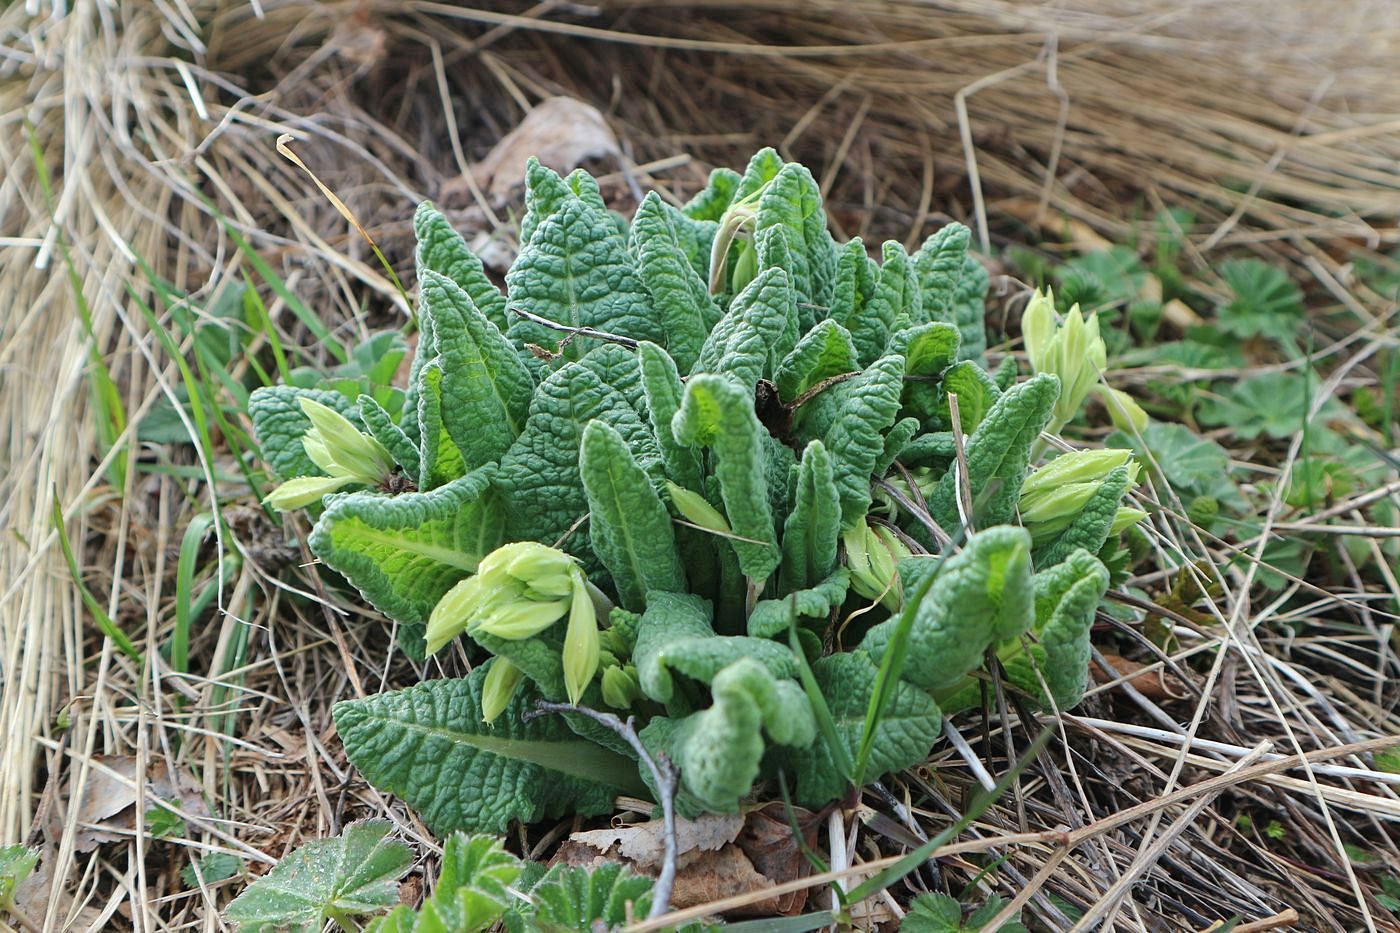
x=716, y=413
x=539, y=478
x=569, y=899
x=680, y=295
x=404, y=552
x=471, y=894
x=998, y=453
x=441, y=249
x=485, y=388
x=576, y=270
x=908, y=729
x=675, y=636
x=628, y=524
x=403, y=741
x=813, y=527
x=982, y=595
x=755, y=335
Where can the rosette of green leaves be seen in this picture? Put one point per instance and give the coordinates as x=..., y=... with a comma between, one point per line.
x=680, y=420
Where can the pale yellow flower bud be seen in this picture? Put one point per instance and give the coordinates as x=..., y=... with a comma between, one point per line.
x=501, y=682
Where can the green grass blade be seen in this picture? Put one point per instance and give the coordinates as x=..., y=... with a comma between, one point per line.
x=111, y=421
x=920, y=855
x=186, y=603
x=104, y=621
x=840, y=755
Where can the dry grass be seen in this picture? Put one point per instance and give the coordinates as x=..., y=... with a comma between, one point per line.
x=1278, y=123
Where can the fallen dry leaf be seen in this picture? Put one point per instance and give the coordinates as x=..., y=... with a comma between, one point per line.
x=1155, y=685
x=107, y=808
x=719, y=856
x=644, y=843
x=561, y=132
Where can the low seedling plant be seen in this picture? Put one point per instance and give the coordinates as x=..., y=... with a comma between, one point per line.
x=715, y=472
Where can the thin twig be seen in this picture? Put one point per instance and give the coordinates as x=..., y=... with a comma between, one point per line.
x=663, y=772
x=618, y=339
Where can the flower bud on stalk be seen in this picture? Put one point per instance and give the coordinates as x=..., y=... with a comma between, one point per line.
x=1074, y=351
x=520, y=590
x=872, y=556
x=339, y=450
x=501, y=682
x=1053, y=495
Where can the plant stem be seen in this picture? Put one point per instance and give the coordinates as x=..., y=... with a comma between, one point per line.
x=663, y=772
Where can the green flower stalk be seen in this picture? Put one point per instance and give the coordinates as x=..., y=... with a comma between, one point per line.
x=347, y=456
x=1073, y=351
x=520, y=590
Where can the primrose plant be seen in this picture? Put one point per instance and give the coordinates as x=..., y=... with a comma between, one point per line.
x=712, y=470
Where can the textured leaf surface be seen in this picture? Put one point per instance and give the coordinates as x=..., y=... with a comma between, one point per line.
x=998, y=453
x=662, y=385
x=897, y=439
x=719, y=749
x=769, y=618
x=940, y=264
x=825, y=351
x=674, y=636
x=852, y=289
x=628, y=524
x=354, y=873
x=1091, y=526
x=485, y=387
x=755, y=335
x=380, y=425
x=403, y=553
x=576, y=270
x=546, y=192
x=280, y=425
x=982, y=595
x=928, y=350
x=714, y=199
x=441, y=249
x=405, y=741
x=968, y=310
x=792, y=202
x=569, y=899
x=540, y=479
x=869, y=404
x=471, y=894
x=813, y=527
x=976, y=392
x=664, y=241
x=894, y=304
x=910, y=726
x=439, y=459
x=718, y=414
x=1066, y=598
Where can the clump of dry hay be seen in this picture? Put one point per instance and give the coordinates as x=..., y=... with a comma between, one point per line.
x=1277, y=123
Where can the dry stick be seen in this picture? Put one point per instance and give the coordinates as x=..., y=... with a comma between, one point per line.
x=663, y=772
x=962, y=482
x=1151, y=855
x=921, y=515
x=618, y=339
x=1151, y=808
x=1065, y=841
